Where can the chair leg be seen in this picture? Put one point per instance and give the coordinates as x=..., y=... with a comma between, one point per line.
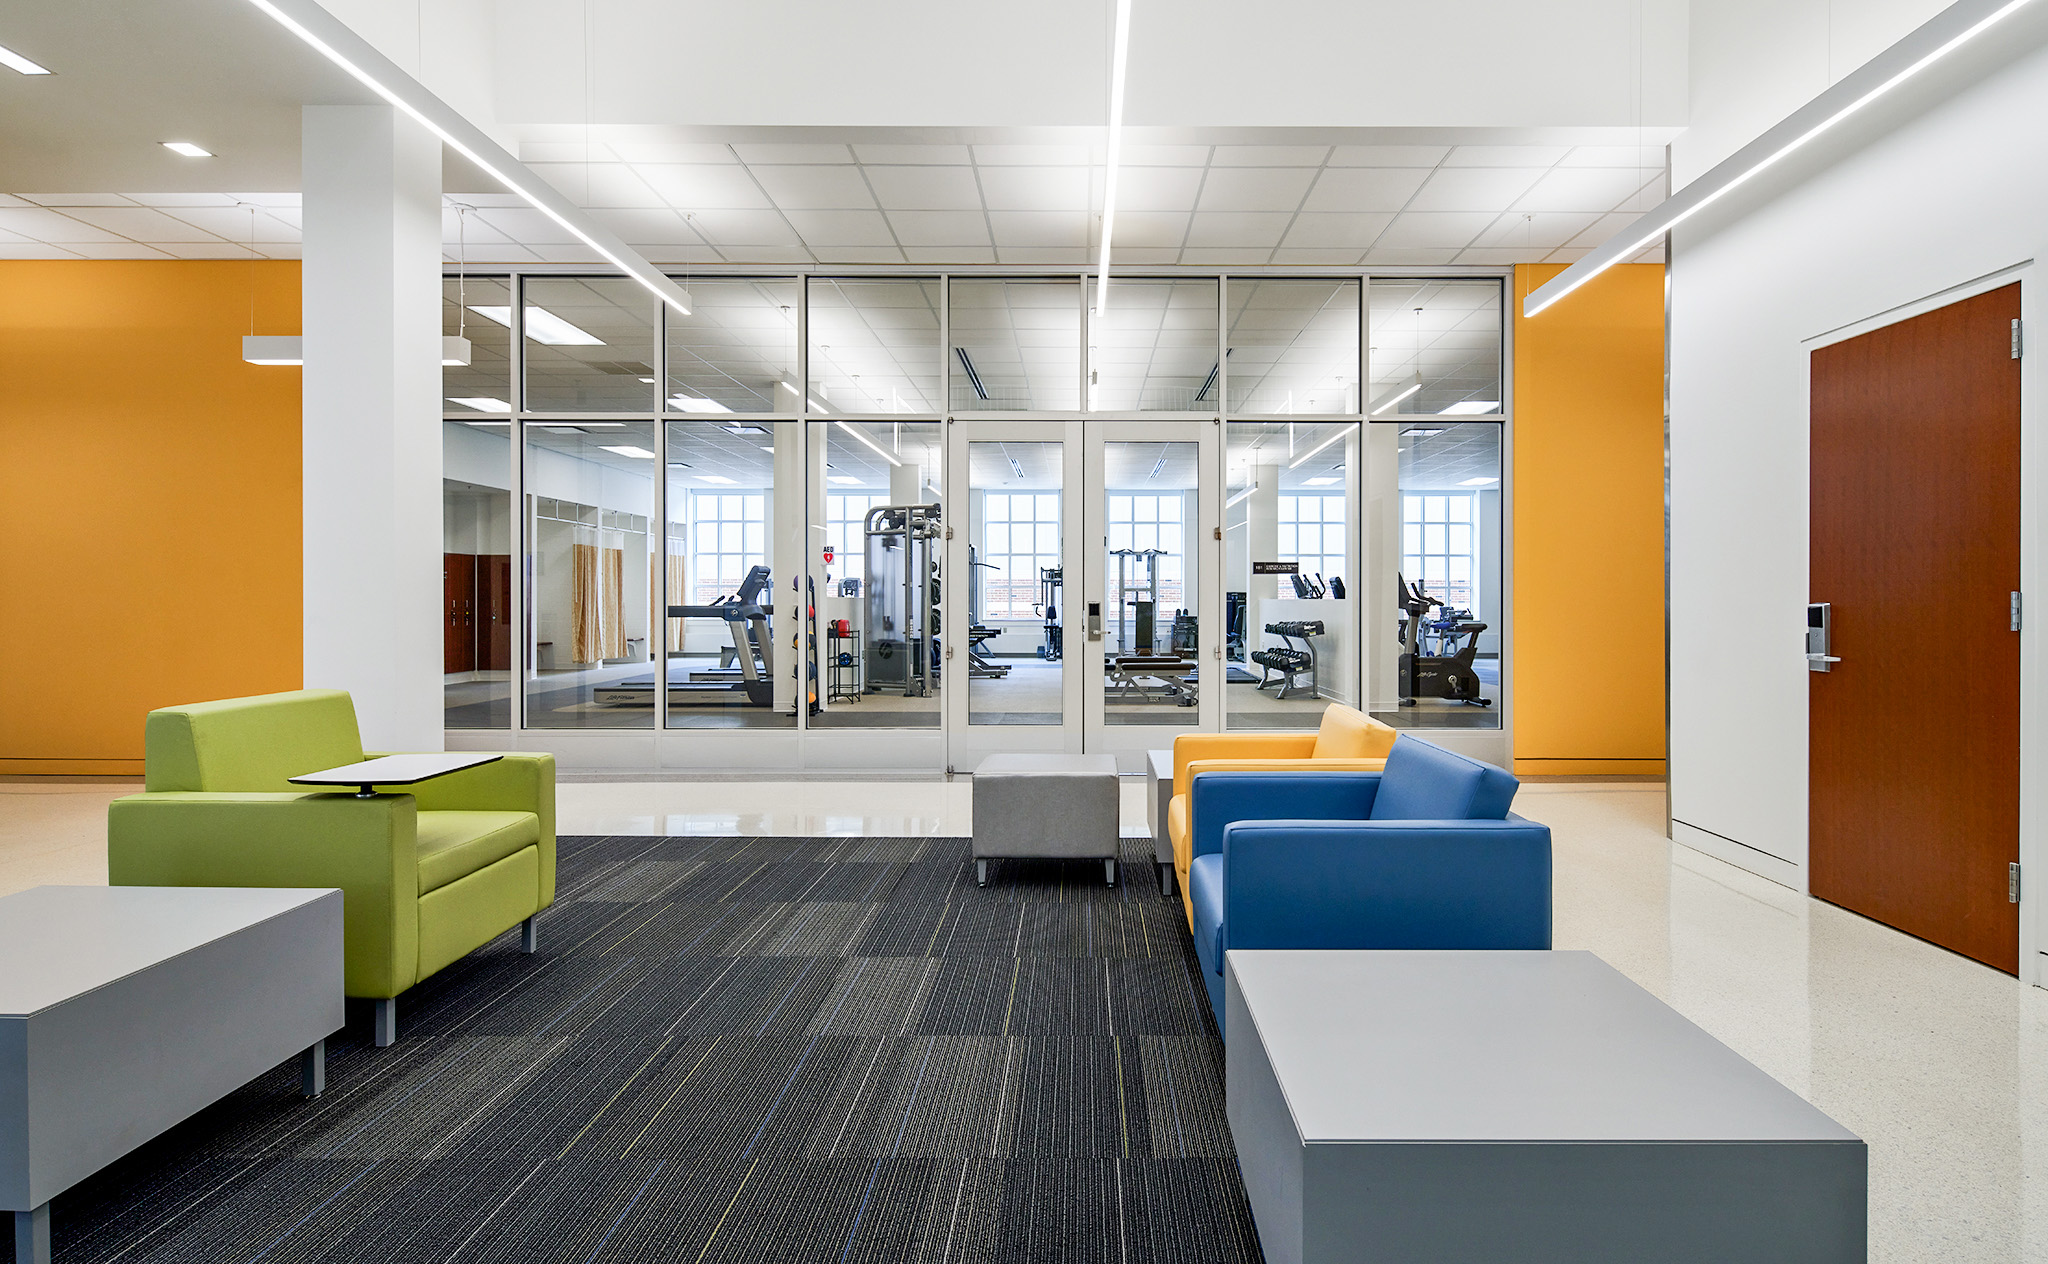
x=386, y=1022
x=529, y=934
x=1166, y=879
x=981, y=873
x=1109, y=870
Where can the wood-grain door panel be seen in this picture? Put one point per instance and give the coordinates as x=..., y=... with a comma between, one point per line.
x=1914, y=734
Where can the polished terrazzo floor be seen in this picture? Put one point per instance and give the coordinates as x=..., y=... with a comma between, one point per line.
x=1941, y=1064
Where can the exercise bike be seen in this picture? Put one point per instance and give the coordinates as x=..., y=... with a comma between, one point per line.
x=1449, y=672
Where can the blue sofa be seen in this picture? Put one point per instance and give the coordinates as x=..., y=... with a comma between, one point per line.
x=1423, y=855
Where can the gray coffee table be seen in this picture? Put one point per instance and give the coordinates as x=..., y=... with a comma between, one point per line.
x=1158, y=799
x=124, y=1010
x=1527, y=1106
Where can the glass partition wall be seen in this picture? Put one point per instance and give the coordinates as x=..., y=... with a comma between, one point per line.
x=737, y=519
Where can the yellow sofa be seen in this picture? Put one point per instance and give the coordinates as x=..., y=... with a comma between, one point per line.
x=1348, y=741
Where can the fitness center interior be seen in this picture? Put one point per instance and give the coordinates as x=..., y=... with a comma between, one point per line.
x=1358, y=557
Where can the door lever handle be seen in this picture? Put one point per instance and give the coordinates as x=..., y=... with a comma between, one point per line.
x=1819, y=662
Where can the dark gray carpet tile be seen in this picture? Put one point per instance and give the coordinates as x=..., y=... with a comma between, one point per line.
x=907, y=1096
x=829, y=1049
x=941, y=876
x=876, y=996
x=821, y=928
x=1159, y=994
x=1190, y=1211
x=1181, y=1081
x=899, y=851
x=639, y=881
x=757, y=880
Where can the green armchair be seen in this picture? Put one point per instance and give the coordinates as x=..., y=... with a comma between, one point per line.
x=426, y=877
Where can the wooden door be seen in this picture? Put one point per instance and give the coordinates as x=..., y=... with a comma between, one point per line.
x=458, y=586
x=1915, y=743
x=494, y=612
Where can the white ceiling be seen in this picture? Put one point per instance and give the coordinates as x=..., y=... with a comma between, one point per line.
x=1030, y=204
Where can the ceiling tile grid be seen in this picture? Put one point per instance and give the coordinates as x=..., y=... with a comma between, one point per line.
x=805, y=203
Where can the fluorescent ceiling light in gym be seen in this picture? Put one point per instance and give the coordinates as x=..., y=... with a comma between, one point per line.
x=627, y=449
x=695, y=404
x=482, y=403
x=187, y=148
x=1471, y=407
x=543, y=326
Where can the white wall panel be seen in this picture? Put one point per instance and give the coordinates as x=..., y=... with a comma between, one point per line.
x=1924, y=194
x=1752, y=62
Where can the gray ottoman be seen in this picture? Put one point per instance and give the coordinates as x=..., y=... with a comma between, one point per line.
x=1058, y=807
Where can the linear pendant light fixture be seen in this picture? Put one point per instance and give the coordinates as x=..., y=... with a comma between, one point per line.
x=20, y=65
x=1939, y=36
x=874, y=447
x=333, y=39
x=1386, y=404
x=1341, y=432
x=1113, y=154
x=290, y=349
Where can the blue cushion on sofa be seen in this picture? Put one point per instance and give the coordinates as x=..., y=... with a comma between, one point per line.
x=1425, y=782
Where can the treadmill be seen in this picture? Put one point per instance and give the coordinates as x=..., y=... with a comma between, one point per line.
x=745, y=675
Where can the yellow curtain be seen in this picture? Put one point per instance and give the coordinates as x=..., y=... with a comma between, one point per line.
x=612, y=615
x=676, y=597
x=585, y=604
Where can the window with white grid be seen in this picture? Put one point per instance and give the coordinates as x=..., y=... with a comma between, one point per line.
x=1437, y=543
x=1312, y=533
x=846, y=517
x=728, y=537
x=1151, y=520
x=1020, y=535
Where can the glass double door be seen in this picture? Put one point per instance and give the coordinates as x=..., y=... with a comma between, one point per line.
x=1087, y=556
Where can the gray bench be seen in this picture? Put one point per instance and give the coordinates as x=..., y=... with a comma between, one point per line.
x=1048, y=807
x=1531, y=1106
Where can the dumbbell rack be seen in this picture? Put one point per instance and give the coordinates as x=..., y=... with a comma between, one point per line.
x=842, y=665
x=1291, y=664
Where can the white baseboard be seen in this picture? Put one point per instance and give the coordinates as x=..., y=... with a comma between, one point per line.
x=1741, y=855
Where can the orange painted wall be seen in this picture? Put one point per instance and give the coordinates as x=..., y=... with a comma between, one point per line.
x=1589, y=526
x=149, y=501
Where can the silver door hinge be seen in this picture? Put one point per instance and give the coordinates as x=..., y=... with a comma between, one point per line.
x=949, y=653
x=2012, y=883
x=2015, y=612
x=949, y=533
x=2016, y=346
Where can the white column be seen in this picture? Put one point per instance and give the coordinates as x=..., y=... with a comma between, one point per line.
x=1382, y=496
x=906, y=484
x=372, y=442
x=790, y=551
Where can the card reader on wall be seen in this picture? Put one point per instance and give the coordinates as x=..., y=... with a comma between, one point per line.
x=1094, y=620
